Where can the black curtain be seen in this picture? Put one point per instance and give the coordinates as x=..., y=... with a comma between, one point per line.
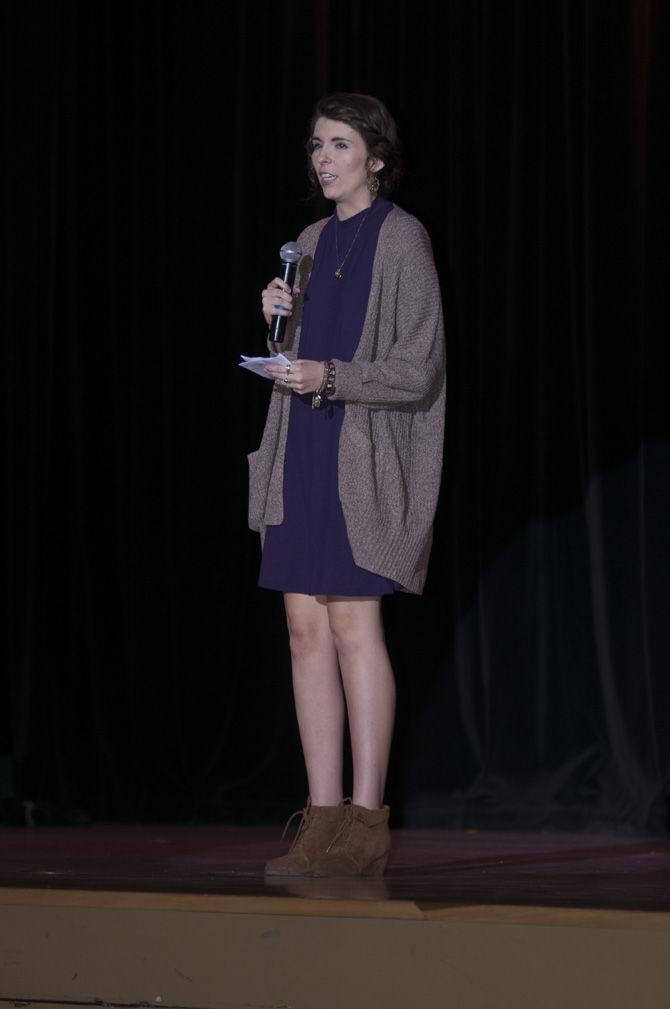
x=152, y=166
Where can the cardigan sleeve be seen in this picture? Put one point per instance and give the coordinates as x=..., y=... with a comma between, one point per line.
x=414, y=365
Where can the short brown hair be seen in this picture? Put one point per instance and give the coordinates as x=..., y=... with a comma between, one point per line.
x=373, y=121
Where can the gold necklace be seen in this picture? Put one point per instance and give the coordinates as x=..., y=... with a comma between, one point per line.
x=338, y=271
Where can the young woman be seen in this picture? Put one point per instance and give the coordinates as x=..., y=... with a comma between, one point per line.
x=344, y=486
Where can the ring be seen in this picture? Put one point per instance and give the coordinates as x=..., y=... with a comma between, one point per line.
x=286, y=380
x=288, y=367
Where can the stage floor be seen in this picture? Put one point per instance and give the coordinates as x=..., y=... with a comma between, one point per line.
x=182, y=917
x=426, y=867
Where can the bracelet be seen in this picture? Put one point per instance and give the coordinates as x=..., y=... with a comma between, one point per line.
x=327, y=387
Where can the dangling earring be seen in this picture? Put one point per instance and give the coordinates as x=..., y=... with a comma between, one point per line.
x=373, y=183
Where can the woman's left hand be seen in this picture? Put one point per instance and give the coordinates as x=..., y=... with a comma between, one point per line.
x=299, y=376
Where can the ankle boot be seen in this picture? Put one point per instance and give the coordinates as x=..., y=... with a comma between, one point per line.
x=318, y=827
x=360, y=847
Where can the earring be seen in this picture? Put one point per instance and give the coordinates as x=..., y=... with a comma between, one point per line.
x=373, y=183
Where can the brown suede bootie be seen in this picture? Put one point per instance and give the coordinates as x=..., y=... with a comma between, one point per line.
x=318, y=827
x=360, y=847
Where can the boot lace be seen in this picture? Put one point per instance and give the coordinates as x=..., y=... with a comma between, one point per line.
x=302, y=826
x=344, y=826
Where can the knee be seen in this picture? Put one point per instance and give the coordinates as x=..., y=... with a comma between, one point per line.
x=305, y=638
x=349, y=635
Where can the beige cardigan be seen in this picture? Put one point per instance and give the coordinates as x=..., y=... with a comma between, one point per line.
x=390, y=454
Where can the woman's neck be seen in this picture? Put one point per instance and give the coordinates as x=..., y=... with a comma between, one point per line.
x=345, y=210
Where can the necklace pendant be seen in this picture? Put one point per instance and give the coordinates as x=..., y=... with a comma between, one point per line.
x=338, y=274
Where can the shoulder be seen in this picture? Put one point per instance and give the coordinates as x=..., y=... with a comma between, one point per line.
x=400, y=225
x=402, y=234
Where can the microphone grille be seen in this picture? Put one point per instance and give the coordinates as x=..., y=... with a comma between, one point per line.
x=290, y=253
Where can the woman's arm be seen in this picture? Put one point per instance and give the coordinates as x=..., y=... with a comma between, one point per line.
x=416, y=360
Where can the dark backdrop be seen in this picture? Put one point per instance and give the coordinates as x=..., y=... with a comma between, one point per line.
x=152, y=166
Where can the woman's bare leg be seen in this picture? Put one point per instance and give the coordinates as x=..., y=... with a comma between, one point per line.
x=369, y=686
x=319, y=700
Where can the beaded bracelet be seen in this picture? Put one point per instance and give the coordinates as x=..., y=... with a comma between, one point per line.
x=327, y=387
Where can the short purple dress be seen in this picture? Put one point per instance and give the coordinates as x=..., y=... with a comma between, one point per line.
x=310, y=552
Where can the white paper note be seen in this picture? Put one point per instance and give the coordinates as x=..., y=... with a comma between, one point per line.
x=257, y=364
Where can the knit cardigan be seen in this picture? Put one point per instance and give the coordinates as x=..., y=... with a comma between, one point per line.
x=390, y=451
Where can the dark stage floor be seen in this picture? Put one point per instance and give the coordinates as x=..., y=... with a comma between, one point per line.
x=428, y=867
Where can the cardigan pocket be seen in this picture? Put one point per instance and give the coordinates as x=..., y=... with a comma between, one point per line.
x=362, y=438
x=252, y=460
x=256, y=501
x=378, y=477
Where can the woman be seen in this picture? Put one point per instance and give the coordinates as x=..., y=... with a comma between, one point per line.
x=344, y=486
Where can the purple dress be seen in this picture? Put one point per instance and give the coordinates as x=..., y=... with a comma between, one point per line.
x=310, y=552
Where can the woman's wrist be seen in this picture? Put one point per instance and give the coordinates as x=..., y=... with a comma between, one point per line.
x=327, y=387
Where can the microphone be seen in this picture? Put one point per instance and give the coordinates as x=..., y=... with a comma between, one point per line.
x=290, y=256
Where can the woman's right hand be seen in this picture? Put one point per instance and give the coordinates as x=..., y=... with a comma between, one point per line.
x=277, y=299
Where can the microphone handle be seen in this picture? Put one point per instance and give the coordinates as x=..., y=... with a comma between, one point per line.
x=278, y=324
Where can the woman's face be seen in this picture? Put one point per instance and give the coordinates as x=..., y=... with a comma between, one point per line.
x=341, y=162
